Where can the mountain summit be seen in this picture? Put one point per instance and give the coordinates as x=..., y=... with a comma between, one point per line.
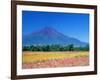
x=49, y=36
x=48, y=29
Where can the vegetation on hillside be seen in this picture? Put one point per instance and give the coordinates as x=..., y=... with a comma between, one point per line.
x=70, y=47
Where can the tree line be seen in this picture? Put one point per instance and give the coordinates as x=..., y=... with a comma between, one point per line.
x=70, y=47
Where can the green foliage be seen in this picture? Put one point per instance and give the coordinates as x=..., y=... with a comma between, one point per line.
x=70, y=47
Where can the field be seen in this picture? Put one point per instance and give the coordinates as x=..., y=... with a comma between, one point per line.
x=54, y=59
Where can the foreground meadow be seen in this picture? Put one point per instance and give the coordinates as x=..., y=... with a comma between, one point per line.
x=54, y=59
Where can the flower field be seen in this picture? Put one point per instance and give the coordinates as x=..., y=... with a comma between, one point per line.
x=54, y=59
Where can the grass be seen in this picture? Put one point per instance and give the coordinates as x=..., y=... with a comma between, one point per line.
x=29, y=56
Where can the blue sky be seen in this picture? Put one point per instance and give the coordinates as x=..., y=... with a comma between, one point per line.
x=71, y=24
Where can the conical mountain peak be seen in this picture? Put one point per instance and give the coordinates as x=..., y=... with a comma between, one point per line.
x=49, y=36
x=48, y=30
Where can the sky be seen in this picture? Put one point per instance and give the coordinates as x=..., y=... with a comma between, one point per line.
x=74, y=25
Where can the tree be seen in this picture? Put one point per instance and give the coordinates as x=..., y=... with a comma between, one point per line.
x=87, y=47
x=26, y=48
x=71, y=47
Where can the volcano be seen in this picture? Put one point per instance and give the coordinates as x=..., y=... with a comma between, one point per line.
x=49, y=36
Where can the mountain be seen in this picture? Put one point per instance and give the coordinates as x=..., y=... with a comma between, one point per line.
x=48, y=36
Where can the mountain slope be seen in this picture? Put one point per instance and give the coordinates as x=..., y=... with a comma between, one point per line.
x=48, y=36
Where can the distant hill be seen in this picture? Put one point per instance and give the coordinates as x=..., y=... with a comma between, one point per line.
x=49, y=36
